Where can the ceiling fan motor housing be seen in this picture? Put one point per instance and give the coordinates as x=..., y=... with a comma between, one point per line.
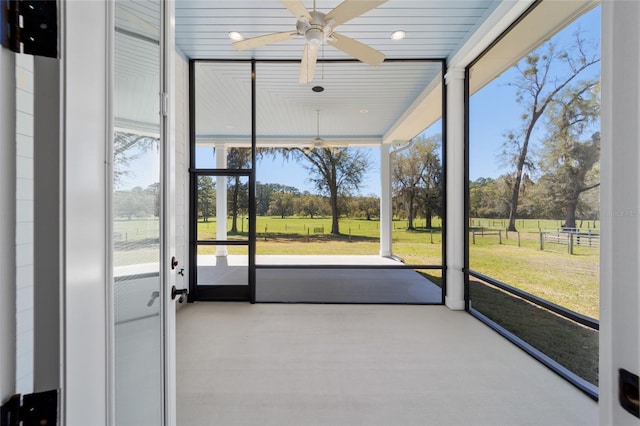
x=316, y=30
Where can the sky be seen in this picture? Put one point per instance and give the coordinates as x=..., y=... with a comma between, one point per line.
x=487, y=126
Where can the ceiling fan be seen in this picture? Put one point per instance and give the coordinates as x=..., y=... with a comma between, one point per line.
x=317, y=28
x=318, y=142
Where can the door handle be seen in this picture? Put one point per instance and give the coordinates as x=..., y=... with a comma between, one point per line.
x=175, y=292
x=174, y=262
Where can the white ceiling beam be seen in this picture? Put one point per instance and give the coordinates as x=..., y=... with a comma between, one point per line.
x=425, y=110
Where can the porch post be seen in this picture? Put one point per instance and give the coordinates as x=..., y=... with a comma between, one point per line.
x=221, y=199
x=385, y=201
x=455, y=188
x=619, y=202
x=7, y=224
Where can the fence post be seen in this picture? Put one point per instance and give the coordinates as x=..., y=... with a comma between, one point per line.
x=349, y=233
x=499, y=237
x=541, y=241
x=570, y=244
x=308, y=229
x=473, y=233
x=265, y=232
x=431, y=235
x=518, y=238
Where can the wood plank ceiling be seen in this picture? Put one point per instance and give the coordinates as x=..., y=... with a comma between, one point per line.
x=287, y=110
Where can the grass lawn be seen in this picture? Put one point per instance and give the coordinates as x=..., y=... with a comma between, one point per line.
x=305, y=236
x=568, y=280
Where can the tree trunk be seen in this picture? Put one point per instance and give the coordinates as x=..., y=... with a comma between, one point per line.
x=428, y=220
x=410, y=224
x=334, y=213
x=570, y=213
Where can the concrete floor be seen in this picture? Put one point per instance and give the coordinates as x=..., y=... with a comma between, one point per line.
x=345, y=286
x=282, y=364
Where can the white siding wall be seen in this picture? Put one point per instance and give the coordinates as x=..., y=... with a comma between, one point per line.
x=182, y=167
x=24, y=223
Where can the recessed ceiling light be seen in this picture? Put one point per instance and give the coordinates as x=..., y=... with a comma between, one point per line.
x=230, y=126
x=235, y=36
x=398, y=35
x=364, y=111
x=317, y=89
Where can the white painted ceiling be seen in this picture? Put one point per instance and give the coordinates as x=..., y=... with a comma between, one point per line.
x=359, y=103
x=435, y=28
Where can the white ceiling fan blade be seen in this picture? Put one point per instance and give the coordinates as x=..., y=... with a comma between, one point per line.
x=360, y=51
x=296, y=8
x=349, y=9
x=308, y=64
x=254, y=42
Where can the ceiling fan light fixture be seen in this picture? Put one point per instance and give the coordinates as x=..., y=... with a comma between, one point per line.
x=398, y=35
x=314, y=36
x=235, y=36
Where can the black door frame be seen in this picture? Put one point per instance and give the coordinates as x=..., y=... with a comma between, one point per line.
x=220, y=292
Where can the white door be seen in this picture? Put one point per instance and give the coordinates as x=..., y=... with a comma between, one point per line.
x=143, y=312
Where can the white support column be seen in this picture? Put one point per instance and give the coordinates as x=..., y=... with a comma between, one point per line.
x=221, y=200
x=7, y=224
x=455, y=188
x=385, y=201
x=620, y=205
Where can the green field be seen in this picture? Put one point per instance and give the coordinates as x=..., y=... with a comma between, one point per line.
x=305, y=236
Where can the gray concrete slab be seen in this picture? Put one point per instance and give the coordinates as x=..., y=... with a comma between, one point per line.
x=345, y=286
x=375, y=365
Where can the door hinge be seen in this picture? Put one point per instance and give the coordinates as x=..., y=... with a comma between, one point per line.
x=39, y=408
x=30, y=26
